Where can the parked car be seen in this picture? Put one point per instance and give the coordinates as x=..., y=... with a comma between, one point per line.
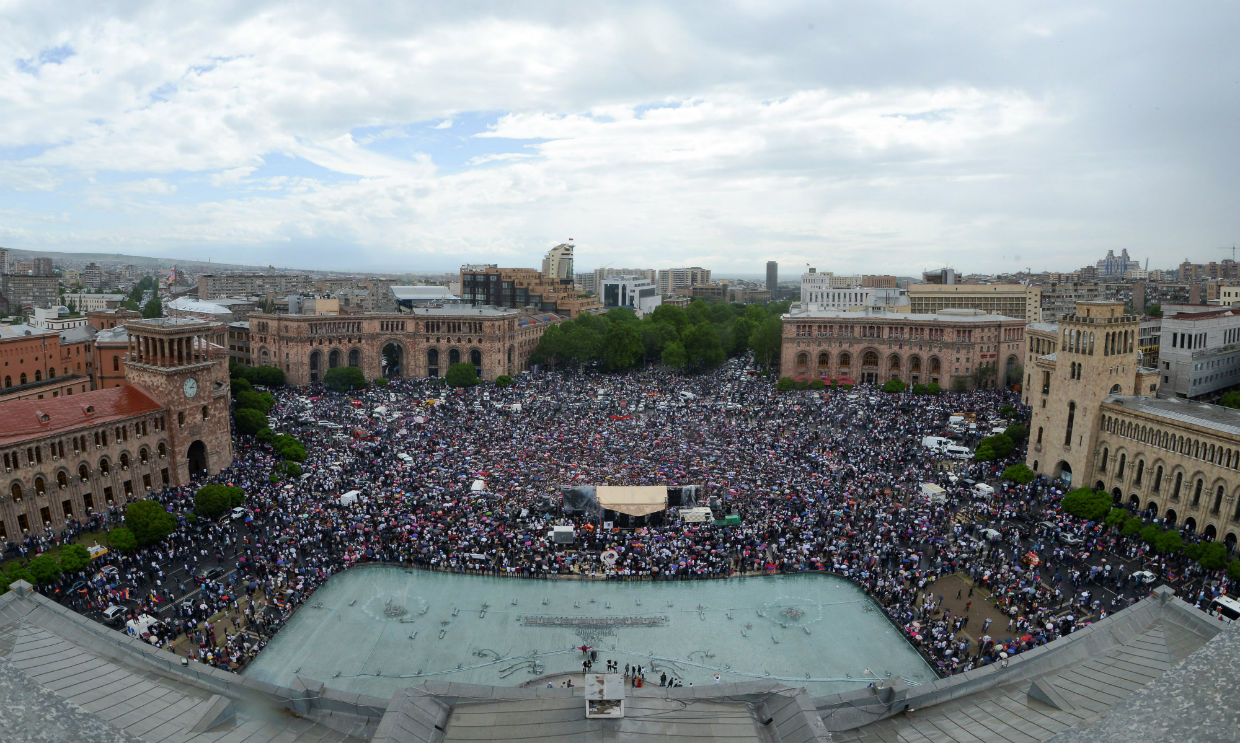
x=1144, y=577
x=114, y=614
x=209, y=573
x=1069, y=538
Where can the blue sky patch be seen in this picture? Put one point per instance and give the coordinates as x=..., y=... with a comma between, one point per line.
x=51, y=55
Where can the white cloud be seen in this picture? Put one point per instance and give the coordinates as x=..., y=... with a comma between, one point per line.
x=842, y=136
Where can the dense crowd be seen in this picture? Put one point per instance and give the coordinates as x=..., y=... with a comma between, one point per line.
x=822, y=481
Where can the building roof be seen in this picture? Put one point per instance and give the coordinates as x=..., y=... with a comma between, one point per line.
x=27, y=419
x=189, y=304
x=1037, y=695
x=22, y=330
x=457, y=310
x=1212, y=417
x=1045, y=327
x=118, y=334
x=1154, y=671
x=872, y=313
x=77, y=334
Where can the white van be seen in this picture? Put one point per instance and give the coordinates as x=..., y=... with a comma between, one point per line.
x=983, y=489
x=955, y=451
x=935, y=443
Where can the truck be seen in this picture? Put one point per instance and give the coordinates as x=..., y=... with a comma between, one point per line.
x=935, y=443
x=934, y=493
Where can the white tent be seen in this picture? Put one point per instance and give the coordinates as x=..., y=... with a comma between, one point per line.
x=478, y=486
x=349, y=498
x=634, y=501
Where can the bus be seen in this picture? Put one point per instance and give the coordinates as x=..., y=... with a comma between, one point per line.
x=1225, y=608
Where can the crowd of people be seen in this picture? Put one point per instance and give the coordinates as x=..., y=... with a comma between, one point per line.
x=821, y=481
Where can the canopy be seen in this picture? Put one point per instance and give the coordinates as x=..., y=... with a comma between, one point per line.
x=349, y=498
x=478, y=486
x=634, y=501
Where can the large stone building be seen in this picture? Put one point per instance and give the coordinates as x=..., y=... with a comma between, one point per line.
x=1097, y=420
x=68, y=456
x=1012, y=300
x=949, y=348
x=421, y=343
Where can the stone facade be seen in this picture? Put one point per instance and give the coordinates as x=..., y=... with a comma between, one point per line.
x=1012, y=300
x=421, y=343
x=67, y=457
x=873, y=347
x=1097, y=421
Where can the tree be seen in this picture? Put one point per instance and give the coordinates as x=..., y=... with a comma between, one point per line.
x=503, y=380
x=212, y=501
x=765, y=341
x=1132, y=526
x=1169, y=542
x=122, y=539
x=153, y=308
x=73, y=557
x=622, y=345
x=999, y=445
x=933, y=388
x=239, y=384
x=1150, y=534
x=1018, y=473
x=1087, y=504
x=268, y=376
x=461, y=375
x=44, y=568
x=1117, y=517
x=1230, y=399
x=250, y=421
x=894, y=386
x=786, y=384
x=1016, y=432
x=703, y=347
x=260, y=401
x=148, y=521
x=381, y=381
x=72, y=307
x=1233, y=570
x=1154, y=310
x=984, y=376
x=674, y=356
x=817, y=384
x=289, y=448
x=1213, y=555
x=344, y=378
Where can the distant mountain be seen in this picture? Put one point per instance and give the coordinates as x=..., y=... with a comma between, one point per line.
x=123, y=259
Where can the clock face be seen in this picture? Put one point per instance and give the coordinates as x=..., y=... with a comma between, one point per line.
x=191, y=387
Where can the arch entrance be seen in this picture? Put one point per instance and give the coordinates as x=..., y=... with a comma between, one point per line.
x=393, y=364
x=197, y=457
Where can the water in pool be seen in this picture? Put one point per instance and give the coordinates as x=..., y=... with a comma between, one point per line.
x=376, y=629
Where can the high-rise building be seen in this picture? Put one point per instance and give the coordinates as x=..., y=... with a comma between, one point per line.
x=24, y=292
x=92, y=277
x=1114, y=266
x=558, y=264
x=42, y=267
x=4, y=261
x=772, y=277
x=939, y=276
x=671, y=279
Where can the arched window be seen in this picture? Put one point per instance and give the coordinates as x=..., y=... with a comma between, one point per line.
x=1119, y=471
x=1197, y=492
x=1158, y=479
x=1105, y=454
x=1175, y=490
x=1067, y=434
x=1140, y=471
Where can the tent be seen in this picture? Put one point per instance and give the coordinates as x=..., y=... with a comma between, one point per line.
x=633, y=500
x=477, y=486
x=349, y=498
x=696, y=515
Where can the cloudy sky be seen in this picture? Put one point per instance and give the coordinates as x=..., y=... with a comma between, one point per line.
x=856, y=136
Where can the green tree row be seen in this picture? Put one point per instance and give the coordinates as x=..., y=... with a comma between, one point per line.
x=691, y=339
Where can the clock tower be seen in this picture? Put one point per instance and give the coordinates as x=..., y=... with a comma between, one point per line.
x=183, y=364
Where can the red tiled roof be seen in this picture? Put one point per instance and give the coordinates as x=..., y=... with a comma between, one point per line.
x=27, y=419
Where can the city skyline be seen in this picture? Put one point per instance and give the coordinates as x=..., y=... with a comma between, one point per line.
x=418, y=138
